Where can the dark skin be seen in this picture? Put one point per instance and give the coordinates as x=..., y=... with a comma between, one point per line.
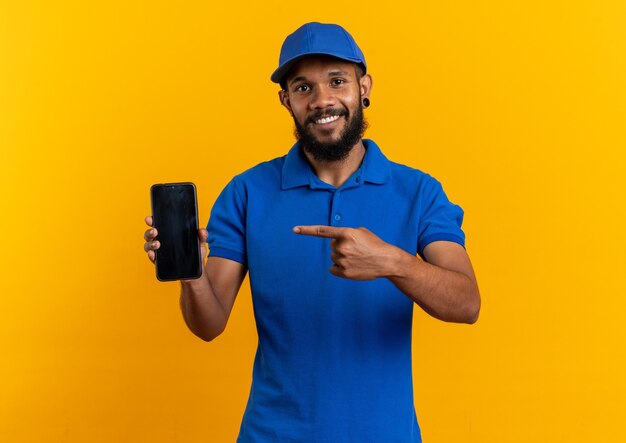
x=320, y=83
x=444, y=285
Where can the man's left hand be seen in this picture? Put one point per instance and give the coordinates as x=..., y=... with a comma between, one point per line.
x=357, y=253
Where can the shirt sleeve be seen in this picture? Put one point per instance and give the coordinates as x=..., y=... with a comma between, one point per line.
x=227, y=225
x=440, y=219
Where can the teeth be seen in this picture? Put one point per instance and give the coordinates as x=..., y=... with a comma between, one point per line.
x=321, y=121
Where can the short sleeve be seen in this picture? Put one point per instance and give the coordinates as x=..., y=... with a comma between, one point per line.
x=227, y=225
x=439, y=219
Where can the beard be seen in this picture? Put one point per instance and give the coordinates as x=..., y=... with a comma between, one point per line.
x=339, y=149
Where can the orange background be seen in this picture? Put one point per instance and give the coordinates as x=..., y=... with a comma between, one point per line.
x=518, y=108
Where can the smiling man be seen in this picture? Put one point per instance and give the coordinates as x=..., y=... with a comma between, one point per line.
x=340, y=244
x=330, y=128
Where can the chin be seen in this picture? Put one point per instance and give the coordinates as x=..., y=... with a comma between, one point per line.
x=327, y=140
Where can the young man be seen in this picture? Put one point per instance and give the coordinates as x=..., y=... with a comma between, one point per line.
x=330, y=234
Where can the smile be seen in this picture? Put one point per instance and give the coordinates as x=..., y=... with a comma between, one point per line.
x=325, y=120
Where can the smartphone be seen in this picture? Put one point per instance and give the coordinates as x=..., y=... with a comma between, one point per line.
x=175, y=216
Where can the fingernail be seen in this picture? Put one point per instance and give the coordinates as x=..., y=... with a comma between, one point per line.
x=296, y=229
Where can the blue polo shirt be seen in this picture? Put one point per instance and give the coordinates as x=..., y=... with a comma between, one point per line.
x=333, y=362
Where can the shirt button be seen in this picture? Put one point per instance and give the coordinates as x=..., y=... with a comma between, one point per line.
x=337, y=217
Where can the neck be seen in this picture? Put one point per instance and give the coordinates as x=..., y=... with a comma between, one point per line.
x=336, y=173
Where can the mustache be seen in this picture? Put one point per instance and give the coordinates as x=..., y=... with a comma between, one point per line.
x=330, y=112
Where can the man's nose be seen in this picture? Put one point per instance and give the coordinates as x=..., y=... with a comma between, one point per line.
x=323, y=97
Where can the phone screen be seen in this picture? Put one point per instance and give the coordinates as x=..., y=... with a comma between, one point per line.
x=175, y=216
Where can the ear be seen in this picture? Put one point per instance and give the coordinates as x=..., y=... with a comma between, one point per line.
x=284, y=100
x=366, y=85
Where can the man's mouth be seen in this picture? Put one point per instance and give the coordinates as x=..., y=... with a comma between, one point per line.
x=325, y=120
x=326, y=117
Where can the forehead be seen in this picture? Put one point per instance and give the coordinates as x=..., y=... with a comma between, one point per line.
x=320, y=66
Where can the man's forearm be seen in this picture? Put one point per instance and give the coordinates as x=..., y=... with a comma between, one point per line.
x=202, y=310
x=447, y=295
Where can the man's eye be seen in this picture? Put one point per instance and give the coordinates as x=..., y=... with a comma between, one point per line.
x=338, y=81
x=302, y=88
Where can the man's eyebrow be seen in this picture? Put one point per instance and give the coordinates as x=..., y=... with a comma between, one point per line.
x=296, y=79
x=333, y=73
x=330, y=74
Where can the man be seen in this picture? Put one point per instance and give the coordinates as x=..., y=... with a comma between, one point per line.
x=330, y=234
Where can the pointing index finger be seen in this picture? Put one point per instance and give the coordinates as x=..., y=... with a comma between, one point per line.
x=319, y=231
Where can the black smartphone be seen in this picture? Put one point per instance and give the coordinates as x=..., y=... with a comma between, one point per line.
x=175, y=216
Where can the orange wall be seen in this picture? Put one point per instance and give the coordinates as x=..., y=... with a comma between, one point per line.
x=518, y=108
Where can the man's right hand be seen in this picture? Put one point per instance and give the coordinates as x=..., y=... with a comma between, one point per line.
x=205, y=302
x=152, y=244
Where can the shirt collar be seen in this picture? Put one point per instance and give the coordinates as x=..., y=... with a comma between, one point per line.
x=375, y=167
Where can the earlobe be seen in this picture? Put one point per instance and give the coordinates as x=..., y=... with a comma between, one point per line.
x=366, y=85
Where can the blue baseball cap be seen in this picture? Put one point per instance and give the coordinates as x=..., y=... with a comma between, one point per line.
x=317, y=39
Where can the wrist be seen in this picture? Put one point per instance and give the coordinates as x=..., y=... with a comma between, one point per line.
x=399, y=263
